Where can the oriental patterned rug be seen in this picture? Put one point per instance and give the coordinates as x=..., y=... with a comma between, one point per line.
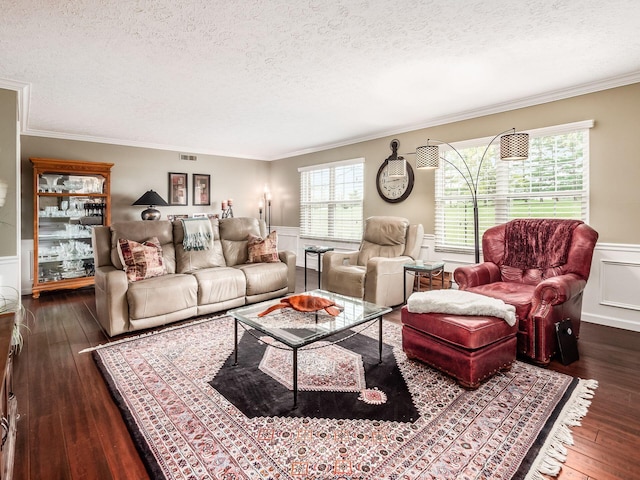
x=194, y=415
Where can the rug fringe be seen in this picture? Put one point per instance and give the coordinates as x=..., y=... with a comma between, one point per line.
x=554, y=452
x=155, y=332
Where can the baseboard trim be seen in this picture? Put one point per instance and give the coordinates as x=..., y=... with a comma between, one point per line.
x=611, y=322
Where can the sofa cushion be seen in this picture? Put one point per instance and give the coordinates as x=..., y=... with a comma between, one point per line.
x=139, y=231
x=345, y=279
x=141, y=260
x=264, y=277
x=192, y=260
x=263, y=250
x=234, y=235
x=466, y=331
x=520, y=295
x=219, y=284
x=383, y=237
x=161, y=295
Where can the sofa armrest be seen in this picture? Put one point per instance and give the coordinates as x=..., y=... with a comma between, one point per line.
x=474, y=275
x=385, y=266
x=101, y=243
x=288, y=257
x=331, y=259
x=555, y=291
x=111, y=287
x=384, y=280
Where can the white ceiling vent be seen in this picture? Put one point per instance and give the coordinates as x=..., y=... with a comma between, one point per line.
x=186, y=156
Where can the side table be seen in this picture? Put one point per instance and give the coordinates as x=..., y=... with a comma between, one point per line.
x=428, y=269
x=314, y=250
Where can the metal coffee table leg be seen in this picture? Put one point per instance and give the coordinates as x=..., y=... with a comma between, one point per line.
x=235, y=342
x=380, y=339
x=295, y=377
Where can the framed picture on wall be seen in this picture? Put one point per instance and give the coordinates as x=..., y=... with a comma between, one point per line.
x=201, y=189
x=178, y=189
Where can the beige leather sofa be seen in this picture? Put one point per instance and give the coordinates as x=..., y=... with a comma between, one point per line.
x=196, y=283
x=375, y=272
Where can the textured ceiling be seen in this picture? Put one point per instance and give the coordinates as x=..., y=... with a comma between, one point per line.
x=269, y=79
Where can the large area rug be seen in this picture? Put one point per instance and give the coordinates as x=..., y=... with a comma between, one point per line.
x=194, y=415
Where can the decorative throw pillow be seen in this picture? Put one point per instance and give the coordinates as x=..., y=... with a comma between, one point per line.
x=141, y=260
x=263, y=250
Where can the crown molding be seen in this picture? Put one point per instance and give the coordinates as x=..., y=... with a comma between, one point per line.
x=23, y=90
x=24, y=99
x=133, y=143
x=533, y=100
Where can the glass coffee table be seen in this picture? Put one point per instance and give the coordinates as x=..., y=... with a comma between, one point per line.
x=298, y=329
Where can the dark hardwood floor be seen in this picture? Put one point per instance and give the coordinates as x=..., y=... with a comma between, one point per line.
x=69, y=428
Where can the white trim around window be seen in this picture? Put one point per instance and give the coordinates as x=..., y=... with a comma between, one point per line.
x=331, y=200
x=552, y=183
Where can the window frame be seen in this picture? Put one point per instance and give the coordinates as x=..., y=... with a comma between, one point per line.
x=333, y=231
x=502, y=195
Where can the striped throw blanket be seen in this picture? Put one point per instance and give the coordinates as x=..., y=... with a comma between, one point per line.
x=198, y=234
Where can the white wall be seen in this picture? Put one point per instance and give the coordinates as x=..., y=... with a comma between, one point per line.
x=10, y=217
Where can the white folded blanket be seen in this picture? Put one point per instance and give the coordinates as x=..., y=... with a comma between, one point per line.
x=460, y=302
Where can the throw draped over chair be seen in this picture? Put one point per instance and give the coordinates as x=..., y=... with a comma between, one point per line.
x=541, y=267
x=375, y=272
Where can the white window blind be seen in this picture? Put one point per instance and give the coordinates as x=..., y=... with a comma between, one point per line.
x=331, y=197
x=552, y=183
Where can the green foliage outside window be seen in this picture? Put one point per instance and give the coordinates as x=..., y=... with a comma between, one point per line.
x=552, y=183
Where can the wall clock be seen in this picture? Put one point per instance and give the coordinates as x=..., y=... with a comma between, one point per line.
x=394, y=189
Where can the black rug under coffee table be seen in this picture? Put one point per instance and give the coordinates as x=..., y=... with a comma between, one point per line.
x=256, y=393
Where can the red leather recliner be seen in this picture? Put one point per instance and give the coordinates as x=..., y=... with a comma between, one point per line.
x=541, y=267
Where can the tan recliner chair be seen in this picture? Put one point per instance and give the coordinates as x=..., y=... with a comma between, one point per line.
x=375, y=272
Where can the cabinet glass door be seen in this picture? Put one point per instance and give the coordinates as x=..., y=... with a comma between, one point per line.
x=68, y=206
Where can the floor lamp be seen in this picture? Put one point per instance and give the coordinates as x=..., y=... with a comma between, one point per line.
x=266, y=204
x=513, y=146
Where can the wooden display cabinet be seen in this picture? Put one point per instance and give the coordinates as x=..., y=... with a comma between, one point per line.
x=70, y=197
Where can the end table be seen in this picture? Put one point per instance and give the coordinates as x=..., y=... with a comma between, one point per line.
x=428, y=269
x=314, y=250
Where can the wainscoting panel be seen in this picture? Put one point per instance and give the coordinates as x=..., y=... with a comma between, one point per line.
x=26, y=266
x=288, y=239
x=611, y=297
x=615, y=277
x=9, y=275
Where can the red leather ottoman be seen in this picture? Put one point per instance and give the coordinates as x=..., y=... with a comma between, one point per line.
x=469, y=348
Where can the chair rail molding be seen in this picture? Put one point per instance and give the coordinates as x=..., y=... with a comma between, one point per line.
x=610, y=298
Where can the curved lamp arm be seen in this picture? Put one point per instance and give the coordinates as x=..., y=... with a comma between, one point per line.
x=473, y=187
x=471, y=182
x=487, y=149
x=517, y=149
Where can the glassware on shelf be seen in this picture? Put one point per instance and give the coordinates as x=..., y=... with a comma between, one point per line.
x=51, y=182
x=51, y=211
x=76, y=230
x=72, y=186
x=64, y=217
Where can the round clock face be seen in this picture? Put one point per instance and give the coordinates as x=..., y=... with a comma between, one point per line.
x=394, y=189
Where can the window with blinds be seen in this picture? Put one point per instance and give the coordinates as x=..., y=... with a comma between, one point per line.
x=552, y=183
x=331, y=197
